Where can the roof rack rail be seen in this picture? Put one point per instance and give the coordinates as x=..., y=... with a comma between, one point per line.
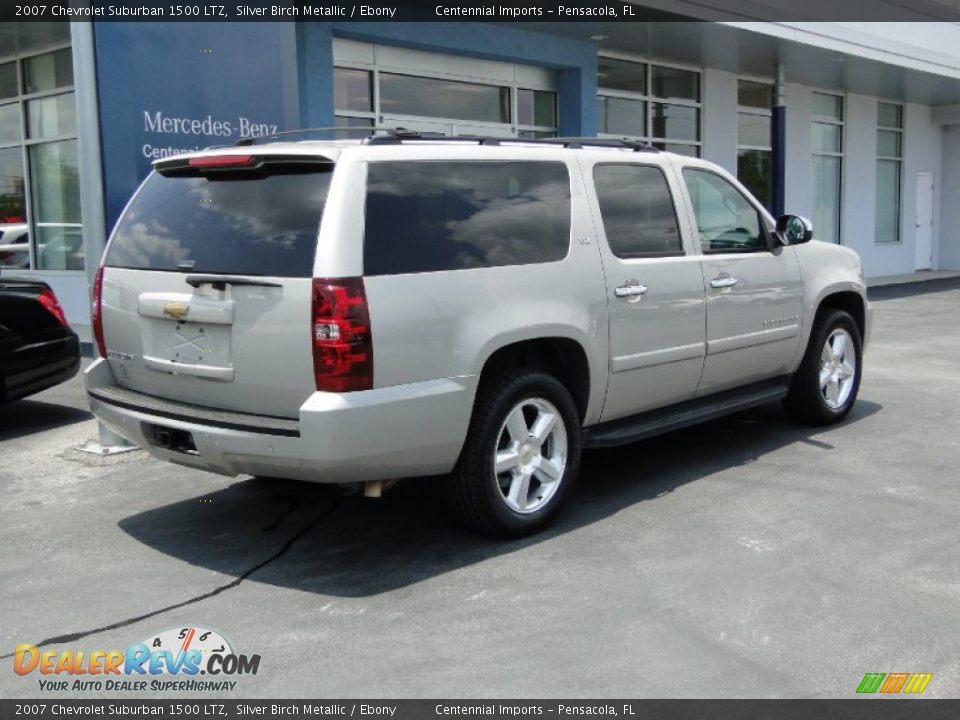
x=392, y=131
x=622, y=142
x=396, y=135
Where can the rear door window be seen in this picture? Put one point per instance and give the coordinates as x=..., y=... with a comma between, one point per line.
x=637, y=210
x=263, y=223
x=428, y=216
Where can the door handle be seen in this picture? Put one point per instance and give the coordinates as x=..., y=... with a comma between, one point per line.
x=625, y=291
x=724, y=281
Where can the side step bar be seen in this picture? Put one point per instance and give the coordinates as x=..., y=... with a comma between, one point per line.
x=674, y=417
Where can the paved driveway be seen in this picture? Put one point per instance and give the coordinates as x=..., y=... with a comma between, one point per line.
x=746, y=557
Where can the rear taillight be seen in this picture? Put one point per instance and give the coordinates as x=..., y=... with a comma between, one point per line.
x=50, y=302
x=342, y=343
x=96, y=312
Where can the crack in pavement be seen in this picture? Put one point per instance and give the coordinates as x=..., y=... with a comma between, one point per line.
x=292, y=505
x=284, y=549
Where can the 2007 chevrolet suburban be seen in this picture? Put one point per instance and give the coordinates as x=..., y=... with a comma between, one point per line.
x=358, y=311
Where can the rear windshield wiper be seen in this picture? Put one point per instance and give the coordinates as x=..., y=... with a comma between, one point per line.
x=220, y=282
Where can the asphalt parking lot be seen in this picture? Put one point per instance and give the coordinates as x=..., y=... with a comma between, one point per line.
x=748, y=557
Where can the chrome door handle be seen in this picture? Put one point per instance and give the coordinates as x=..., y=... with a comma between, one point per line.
x=625, y=291
x=724, y=281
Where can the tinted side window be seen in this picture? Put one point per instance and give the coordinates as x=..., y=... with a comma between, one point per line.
x=637, y=210
x=726, y=221
x=436, y=215
x=249, y=226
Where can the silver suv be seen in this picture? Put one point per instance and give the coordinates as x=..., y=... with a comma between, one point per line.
x=363, y=311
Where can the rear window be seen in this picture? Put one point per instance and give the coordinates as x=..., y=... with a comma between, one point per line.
x=245, y=224
x=435, y=215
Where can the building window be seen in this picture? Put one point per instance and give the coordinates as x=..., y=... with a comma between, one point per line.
x=827, y=167
x=39, y=173
x=654, y=103
x=361, y=96
x=889, y=165
x=754, y=149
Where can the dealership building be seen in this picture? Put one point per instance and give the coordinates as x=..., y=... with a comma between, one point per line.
x=854, y=125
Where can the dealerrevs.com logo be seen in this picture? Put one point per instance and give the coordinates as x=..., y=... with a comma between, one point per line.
x=171, y=660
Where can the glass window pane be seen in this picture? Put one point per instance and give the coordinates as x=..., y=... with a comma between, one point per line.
x=536, y=134
x=621, y=75
x=432, y=97
x=827, y=138
x=258, y=225
x=536, y=107
x=352, y=90
x=888, y=143
x=10, y=123
x=12, y=208
x=675, y=122
x=15, y=242
x=49, y=71
x=673, y=84
x=359, y=124
x=753, y=130
x=726, y=221
x=618, y=116
x=826, y=197
x=637, y=210
x=829, y=106
x=14, y=235
x=54, y=182
x=525, y=107
x=8, y=80
x=888, y=201
x=755, y=171
x=754, y=94
x=59, y=248
x=544, y=108
x=52, y=116
x=432, y=216
x=889, y=115
x=678, y=148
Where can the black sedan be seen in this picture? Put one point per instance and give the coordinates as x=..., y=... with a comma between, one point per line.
x=37, y=347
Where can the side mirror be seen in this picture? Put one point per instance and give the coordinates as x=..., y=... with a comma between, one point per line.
x=794, y=230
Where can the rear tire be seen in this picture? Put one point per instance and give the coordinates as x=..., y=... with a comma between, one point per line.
x=825, y=387
x=521, y=456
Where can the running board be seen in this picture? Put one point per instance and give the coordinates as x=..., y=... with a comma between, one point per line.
x=681, y=415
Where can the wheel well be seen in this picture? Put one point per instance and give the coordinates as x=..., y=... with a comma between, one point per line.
x=851, y=302
x=563, y=358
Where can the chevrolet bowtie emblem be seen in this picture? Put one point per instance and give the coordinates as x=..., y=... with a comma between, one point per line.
x=177, y=310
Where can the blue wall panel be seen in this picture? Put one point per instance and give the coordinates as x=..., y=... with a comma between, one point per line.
x=185, y=86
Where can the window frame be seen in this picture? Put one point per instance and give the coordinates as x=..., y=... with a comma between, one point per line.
x=515, y=127
x=899, y=159
x=758, y=112
x=766, y=231
x=650, y=99
x=22, y=99
x=673, y=201
x=842, y=124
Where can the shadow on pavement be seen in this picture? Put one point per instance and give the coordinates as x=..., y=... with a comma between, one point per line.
x=909, y=289
x=26, y=417
x=319, y=540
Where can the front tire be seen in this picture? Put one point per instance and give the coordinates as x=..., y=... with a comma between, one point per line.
x=825, y=387
x=520, y=458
